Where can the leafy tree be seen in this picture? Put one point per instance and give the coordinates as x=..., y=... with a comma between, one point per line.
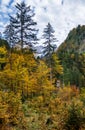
x=11, y=114
x=3, y=57
x=57, y=68
x=76, y=119
x=24, y=24
x=42, y=76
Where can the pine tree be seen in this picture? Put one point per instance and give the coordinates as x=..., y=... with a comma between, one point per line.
x=10, y=34
x=49, y=45
x=24, y=24
x=0, y=35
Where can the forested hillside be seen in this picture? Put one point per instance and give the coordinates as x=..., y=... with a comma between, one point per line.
x=75, y=40
x=72, y=55
x=45, y=92
x=29, y=100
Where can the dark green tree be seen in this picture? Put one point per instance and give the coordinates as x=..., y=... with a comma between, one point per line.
x=10, y=35
x=24, y=25
x=0, y=35
x=48, y=35
x=75, y=119
x=4, y=43
x=48, y=45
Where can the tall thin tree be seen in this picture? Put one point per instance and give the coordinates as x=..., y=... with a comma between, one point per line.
x=10, y=35
x=48, y=45
x=0, y=35
x=24, y=25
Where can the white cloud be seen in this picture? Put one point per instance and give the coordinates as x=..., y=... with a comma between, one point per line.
x=62, y=14
x=5, y=2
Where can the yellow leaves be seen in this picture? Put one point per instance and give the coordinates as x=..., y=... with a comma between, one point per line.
x=57, y=68
x=47, y=88
x=40, y=99
x=3, y=51
x=67, y=93
x=42, y=74
x=20, y=77
x=16, y=61
x=23, y=74
x=10, y=110
x=30, y=62
x=19, y=61
x=77, y=103
x=42, y=68
x=4, y=107
x=3, y=55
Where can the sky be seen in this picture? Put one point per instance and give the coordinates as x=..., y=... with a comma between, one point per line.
x=63, y=15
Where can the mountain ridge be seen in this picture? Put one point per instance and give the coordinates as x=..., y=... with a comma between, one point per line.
x=75, y=40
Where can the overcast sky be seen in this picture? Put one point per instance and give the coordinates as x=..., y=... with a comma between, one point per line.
x=62, y=14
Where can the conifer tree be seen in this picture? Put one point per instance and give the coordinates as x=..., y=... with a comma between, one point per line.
x=10, y=34
x=24, y=24
x=48, y=45
x=0, y=35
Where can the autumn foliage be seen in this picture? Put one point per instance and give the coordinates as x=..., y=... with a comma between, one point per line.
x=29, y=101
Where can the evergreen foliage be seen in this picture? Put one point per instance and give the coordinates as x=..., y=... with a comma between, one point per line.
x=49, y=46
x=24, y=25
x=71, y=54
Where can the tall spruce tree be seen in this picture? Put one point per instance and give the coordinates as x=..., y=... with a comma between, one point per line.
x=24, y=24
x=48, y=45
x=0, y=35
x=10, y=34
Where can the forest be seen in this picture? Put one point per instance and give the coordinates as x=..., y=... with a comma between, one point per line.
x=41, y=92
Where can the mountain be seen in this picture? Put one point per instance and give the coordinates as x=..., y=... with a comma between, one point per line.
x=75, y=41
x=72, y=55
